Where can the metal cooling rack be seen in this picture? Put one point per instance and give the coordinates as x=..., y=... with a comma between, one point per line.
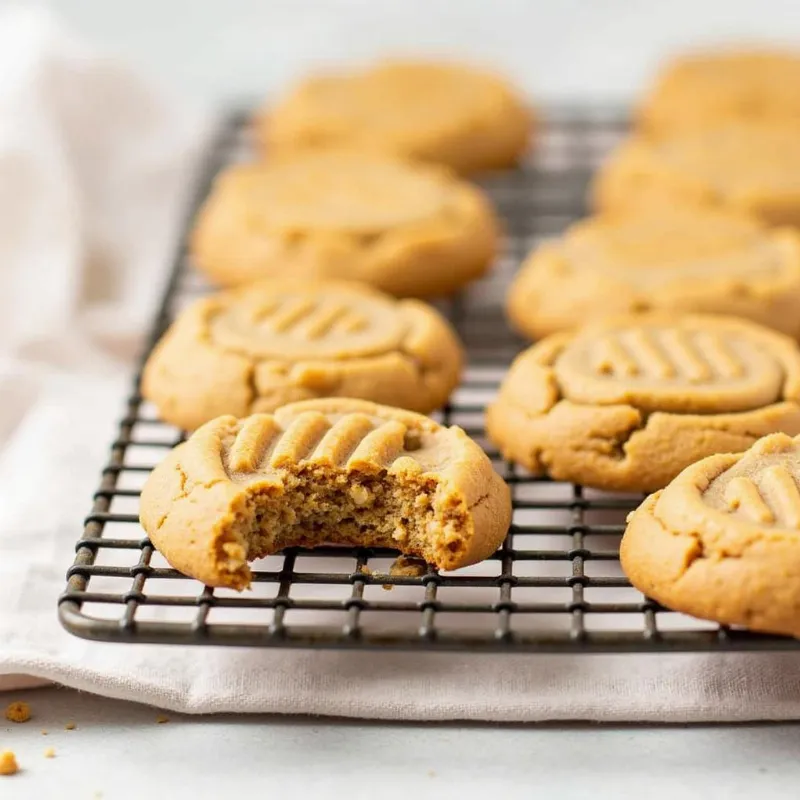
x=554, y=586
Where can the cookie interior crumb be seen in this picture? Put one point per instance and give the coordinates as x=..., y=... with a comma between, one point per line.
x=49, y=753
x=408, y=567
x=8, y=763
x=364, y=510
x=18, y=711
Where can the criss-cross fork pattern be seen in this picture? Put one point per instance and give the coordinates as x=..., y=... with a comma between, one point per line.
x=554, y=586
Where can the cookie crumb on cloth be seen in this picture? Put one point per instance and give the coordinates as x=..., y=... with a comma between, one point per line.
x=18, y=711
x=8, y=763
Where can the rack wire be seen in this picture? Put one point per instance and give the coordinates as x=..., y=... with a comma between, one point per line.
x=554, y=586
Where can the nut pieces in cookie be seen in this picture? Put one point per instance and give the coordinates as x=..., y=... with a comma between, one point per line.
x=267, y=344
x=625, y=404
x=324, y=471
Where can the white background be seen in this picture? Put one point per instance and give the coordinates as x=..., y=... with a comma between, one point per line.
x=552, y=48
x=213, y=50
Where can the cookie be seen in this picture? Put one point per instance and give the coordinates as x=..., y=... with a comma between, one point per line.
x=334, y=471
x=409, y=229
x=741, y=167
x=705, y=90
x=675, y=260
x=722, y=541
x=442, y=113
x=261, y=346
x=626, y=403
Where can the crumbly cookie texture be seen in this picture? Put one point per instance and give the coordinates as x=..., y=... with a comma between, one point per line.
x=737, y=166
x=674, y=260
x=722, y=541
x=261, y=346
x=8, y=763
x=442, y=113
x=323, y=471
x=18, y=711
x=412, y=230
x=627, y=403
x=706, y=89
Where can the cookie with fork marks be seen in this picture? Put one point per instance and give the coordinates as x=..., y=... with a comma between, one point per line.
x=626, y=403
x=334, y=471
x=261, y=346
x=722, y=541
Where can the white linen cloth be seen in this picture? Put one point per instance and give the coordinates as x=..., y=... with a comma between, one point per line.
x=93, y=168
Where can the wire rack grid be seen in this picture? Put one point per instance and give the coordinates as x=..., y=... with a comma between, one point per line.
x=554, y=586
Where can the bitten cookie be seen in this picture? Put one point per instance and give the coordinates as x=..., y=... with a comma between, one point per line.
x=323, y=471
x=742, y=167
x=722, y=541
x=705, y=90
x=441, y=113
x=408, y=229
x=674, y=260
x=625, y=404
x=260, y=346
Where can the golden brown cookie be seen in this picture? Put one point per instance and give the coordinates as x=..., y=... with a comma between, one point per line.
x=748, y=168
x=705, y=90
x=270, y=343
x=626, y=403
x=722, y=541
x=408, y=229
x=441, y=113
x=323, y=471
x=675, y=260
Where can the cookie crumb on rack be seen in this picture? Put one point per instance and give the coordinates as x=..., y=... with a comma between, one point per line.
x=161, y=719
x=70, y=726
x=49, y=753
x=18, y=711
x=8, y=763
x=408, y=567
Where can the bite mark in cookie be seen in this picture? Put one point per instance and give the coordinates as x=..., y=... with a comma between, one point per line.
x=327, y=471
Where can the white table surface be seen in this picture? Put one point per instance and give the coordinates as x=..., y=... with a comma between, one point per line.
x=211, y=51
x=119, y=751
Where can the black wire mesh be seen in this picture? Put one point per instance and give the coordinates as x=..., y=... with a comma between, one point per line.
x=555, y=585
